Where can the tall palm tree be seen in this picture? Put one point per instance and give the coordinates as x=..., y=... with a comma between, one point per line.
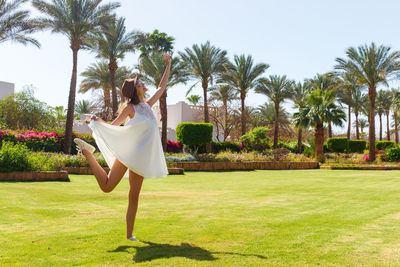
x=379, y=106
x=243, y=75
x=321, y=107
x=396, y=108
x=371, y=65
x=387, y=106
x=98, y=76
x=277, y=89
x=16, y=25
x=358, y=99
x=112, y=44
x=76, y=19
x=153, y=67
x=224, y=93
x=299, y=94
x=204, y=63
x=194, y=99
x=363, y=123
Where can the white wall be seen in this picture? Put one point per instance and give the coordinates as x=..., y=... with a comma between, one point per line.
x=6, y=89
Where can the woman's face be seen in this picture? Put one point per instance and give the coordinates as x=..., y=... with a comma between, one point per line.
x=141, y=88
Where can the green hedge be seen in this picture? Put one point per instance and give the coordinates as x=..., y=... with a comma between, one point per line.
x=218, y=146
x=357, y=146
x=383, y=145
x=338, y=144
x=194, y=133
x=393, y=154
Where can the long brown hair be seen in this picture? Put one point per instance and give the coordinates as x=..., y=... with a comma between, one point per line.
x=129, y=91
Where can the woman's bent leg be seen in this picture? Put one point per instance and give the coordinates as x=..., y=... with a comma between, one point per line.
x=135, y=181
x=106, y=182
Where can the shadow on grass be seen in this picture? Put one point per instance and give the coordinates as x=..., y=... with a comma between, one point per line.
x=157, y=251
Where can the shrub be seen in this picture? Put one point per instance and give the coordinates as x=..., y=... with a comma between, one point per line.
x=194, y=133
x=256, y=139
x=338, y=144
x=292, y=146
x=393, y=154
x=14, y=157
x=357, y=146
x=383, y=145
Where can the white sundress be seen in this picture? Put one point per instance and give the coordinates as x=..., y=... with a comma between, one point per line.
x=137, y=145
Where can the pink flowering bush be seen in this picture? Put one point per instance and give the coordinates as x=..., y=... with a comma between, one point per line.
x=174, y=147
x=42, y=141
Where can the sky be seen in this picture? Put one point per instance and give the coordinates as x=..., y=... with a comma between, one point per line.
x=296, y=38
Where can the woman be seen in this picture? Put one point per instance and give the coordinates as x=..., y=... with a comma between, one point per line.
x=134, y=150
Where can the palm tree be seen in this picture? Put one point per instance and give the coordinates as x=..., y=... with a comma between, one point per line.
x=194, y=99
x=380, y=110
x=98, y=76
x=204, y=63
x=387, y=106
x=371, y=65
x=268, y=115
x=277, y=89
x=358, y=99
x=154, y=42
x=363, y=123
x=225, y=94
x=299, y=94
x=84, y=107
x=396, y=107
x=153, y=67
x=113, y=44
x=325, y=82
x=243, y=75
x=321, y=107
x=76, y=19
x=15, y=25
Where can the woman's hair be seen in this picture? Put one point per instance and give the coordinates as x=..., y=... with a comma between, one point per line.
x=129, y=91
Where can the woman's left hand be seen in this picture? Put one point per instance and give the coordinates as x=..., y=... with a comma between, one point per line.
x=167, y=58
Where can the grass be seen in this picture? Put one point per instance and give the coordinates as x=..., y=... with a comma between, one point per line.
x=255, y=218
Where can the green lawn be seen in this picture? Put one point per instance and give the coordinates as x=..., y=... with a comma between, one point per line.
x=277, y=218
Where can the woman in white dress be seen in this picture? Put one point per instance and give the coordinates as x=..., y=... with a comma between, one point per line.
x=133, y=150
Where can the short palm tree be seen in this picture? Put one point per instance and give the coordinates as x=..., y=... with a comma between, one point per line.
x=299, y=94
x=155, y=42
x=363, y=123
x=225, y=94
x=98, y=76
x=75, y=19
x=243, y=75
x=268, y=115
x=194, y=99
x=277, y=89
x=112, y=44
x=387, y=106
x=152, y=68
x=371, y=65
x=84, y=107
x=358, y=101
x=321, y=108
x=204, y=62
x=15, y=24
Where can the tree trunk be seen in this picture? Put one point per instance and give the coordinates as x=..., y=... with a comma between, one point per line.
x=349, y=123
x=112, y=66
x=71, y=100
x=357, y=126
x=107, y=100
x=380, y=126
x=299, y=137
x=164, y=120
x=242, y=98
x=396, y=132
x=330, y=129
x=206, y=117
x=226, y=120
x=276, y=126
x=319, y=142
x=372, y=96
x=387, y=126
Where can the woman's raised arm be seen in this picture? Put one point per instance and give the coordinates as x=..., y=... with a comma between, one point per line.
x=163, y=84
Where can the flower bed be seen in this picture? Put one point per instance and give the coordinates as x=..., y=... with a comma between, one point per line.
x=260, y=165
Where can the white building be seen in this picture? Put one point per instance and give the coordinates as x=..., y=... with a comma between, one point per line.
x=182, y=112
x=6, y=89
